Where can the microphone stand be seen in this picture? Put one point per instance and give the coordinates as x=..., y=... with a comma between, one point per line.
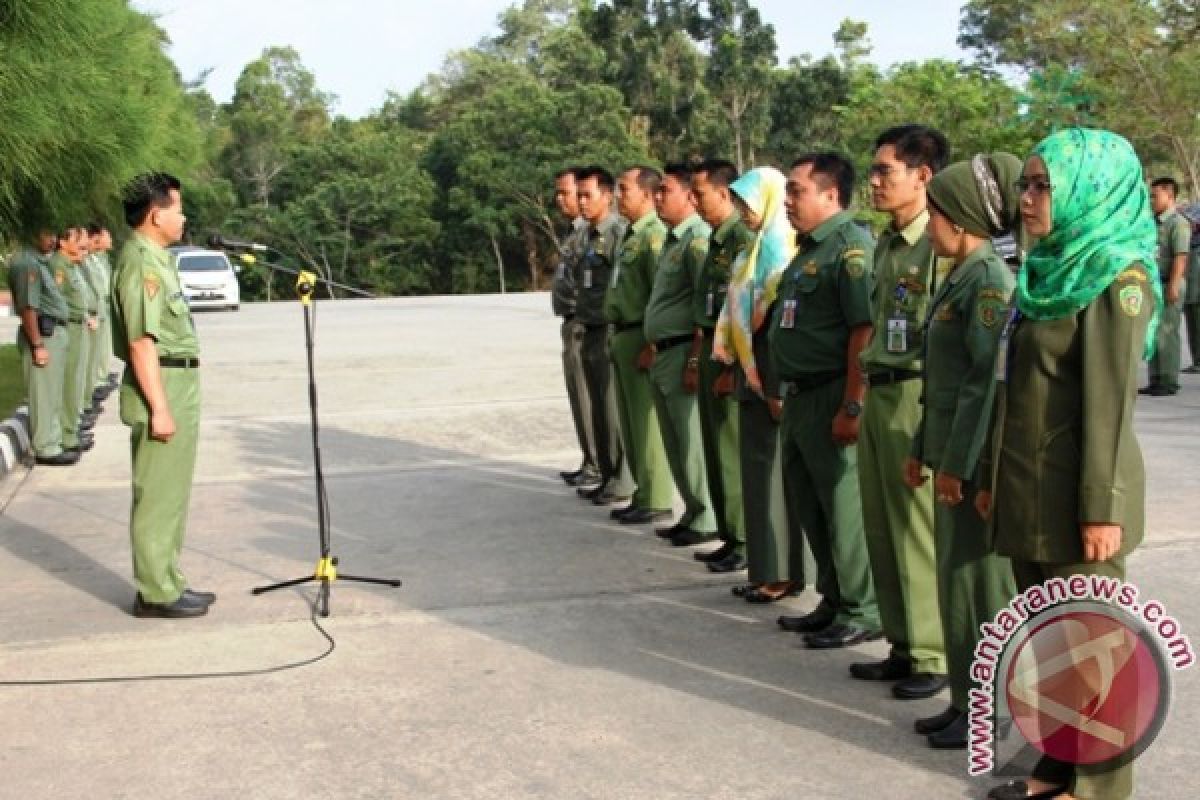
x=326, y=572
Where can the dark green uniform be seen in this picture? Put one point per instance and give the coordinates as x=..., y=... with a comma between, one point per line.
x=1191, y=303
x=593, y=273
x=81, y=306
x=669, y=325
x=719, y=417
x=148, y=301
x=824, y=294
x=1054, y=467
x=966, y=320
x=99, y=273
x=899, y=520
x=625, y=309
x=563, y=300
x=35, y=285
x=1174, y=237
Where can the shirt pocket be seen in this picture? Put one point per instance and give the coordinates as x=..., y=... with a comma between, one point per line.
x=806, y=293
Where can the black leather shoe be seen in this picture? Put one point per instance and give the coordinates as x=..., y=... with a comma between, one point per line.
x=920, y=686
x=583, y=477
x=951, y=737
x=1149, y=389
x=743, y=589
x=712, y=556
x=890, y=669
x=83, y=446
x=1194, y=369
x=689, y=537
x=938, y=722
x=64, y=459
x=1162, y=391
x=817, y=620
x=609, y=498
x=185, y=606
x=674, y=530
x=644, y=516
x=204, y=597
x=841, y=635
x=591, y=492
x=734, y=562
x=87, y=424
x=617, y=514
x=1019, y=790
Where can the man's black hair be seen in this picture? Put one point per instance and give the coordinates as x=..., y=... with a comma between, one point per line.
x=604, y=178
x=680, y=172
x=565, y=171
x=831, y=169
x=720, y=172
x=147, y=192
x=1169, y=182
x=95, y=229
x=648, y=178
x=917, y=146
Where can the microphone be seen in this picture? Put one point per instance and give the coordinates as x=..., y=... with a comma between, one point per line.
x=219, y=242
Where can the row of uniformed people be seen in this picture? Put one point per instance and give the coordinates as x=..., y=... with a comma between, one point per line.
x=60, y=286
x=766, y=335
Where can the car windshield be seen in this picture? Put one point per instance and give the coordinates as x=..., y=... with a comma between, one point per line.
x=202, y=263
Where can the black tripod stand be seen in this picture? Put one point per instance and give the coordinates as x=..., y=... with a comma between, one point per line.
x=326, y=572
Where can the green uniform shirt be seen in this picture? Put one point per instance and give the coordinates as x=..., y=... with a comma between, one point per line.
x=966, y=320
x=824, y=293
x=34, y=283
x=1193, y=271
x=904, y=283
x=712, y=284
x=80, y=301
x=564, y=290
x=148, y=301
x=96, y=272
x=1174, y=237
x=594, y=270
x=671, y=310
x=633, y=277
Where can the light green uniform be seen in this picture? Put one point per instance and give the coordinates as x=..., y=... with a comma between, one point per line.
x=625, y=309
x=80, y=307
x=899, y=520
x=148, y=301
x=669, y=326
x=1174, y=237
x=967, y=317
x=1052, y=466
x=719, y=417
x=99, y=274
x=563, y=296
x=35, y=285
x=824, y=294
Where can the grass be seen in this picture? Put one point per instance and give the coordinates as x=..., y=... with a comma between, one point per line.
x=12, y=382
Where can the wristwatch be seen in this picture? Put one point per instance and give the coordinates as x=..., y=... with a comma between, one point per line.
x=853, y=408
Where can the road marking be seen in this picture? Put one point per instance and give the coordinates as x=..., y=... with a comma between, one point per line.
x=692, y=607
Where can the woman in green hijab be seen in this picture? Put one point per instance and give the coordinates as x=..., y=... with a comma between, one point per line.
x=969, y=203
x=1067, y=483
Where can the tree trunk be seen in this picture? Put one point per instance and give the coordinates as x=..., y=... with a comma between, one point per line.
x=499, y=261
x=531, y=255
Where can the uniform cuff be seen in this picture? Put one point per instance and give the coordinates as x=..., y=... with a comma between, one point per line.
x=1101, y=504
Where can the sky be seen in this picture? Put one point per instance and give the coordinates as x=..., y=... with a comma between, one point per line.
x=359, y=49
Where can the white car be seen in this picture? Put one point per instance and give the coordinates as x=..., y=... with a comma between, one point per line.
x=207, y=278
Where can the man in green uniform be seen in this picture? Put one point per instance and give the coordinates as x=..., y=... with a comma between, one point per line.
x=669, y=330
x=42, y=343
x=1174, y=245
x=625, y=309
x=562, y=299
x=718, y=414
x=1191, y=300
x=80, y=323
x=899, y=521
x=593, y=273
x=154, y=335
x=821, y=324
x=99, y=271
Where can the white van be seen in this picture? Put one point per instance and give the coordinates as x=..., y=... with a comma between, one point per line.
x=207, y=278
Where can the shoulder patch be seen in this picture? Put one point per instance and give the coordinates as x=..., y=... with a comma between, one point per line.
x=151, y=285
x=811, y=268
x=993, y=294
x=1132, y=274
x=60, y=276
x=1132, y=298
x=854, y=252
x=855, y=264
x=991, y=312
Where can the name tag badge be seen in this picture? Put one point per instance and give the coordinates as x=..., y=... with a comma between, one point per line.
x=788, y=319
x=897, y=335
x=587, y=278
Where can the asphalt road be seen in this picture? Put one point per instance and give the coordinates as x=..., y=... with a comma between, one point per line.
x=535, y=649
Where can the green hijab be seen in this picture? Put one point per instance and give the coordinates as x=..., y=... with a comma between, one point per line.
x=979, y=195
x=1102, y=223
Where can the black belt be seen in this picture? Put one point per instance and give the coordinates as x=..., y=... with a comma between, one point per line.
x=672, y=341
x=621, y=327
x=808, y=381
x=179, y=363
x=887, y=377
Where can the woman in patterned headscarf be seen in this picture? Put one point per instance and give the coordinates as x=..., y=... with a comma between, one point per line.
x=1067, y=483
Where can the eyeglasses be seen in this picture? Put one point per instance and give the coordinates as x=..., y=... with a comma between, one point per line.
x=1038, y=185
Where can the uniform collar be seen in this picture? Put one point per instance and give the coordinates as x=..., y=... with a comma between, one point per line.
x=723, y=230
x=912, y=232
x=1166, y=215
x=830, y=225
x=691, y=221
x=579, y=224
x=643, y=222
x=607, y=225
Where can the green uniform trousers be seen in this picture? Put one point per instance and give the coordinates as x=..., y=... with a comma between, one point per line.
x=577, y=396
x=770, y=553
x=45, y=389
x=640, y=436
x=601, y=391
x=1087, y=782
x=973, y=582
x=1164, y=367
x=162, y=482
x=899, y=527
x=719, y=429
x=679, y=421
x=101, y=353
x=1191, y=316
x=77, y=355
x=820, y=481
